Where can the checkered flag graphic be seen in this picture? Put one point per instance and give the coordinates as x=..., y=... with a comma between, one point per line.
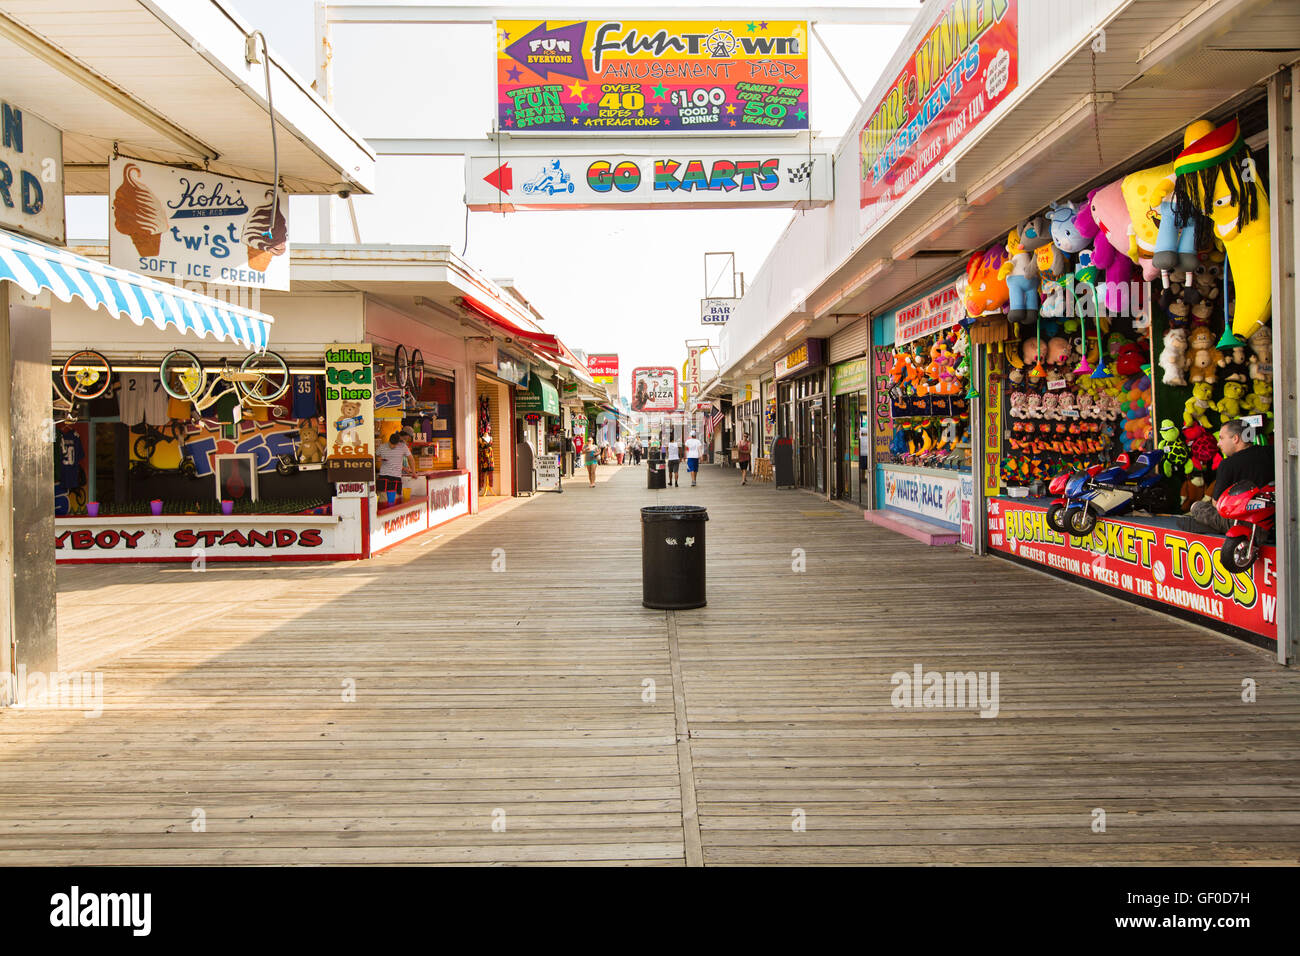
x=800, y=173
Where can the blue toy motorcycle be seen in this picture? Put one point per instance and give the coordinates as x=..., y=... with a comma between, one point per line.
x=1117, y=490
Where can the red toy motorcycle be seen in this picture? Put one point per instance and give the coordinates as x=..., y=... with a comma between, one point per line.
x=1251, y=509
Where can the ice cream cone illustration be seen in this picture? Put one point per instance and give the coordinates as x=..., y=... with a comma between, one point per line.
x=138, y=213
x=263, y=238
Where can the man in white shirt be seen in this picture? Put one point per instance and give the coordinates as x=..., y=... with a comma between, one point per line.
x=674, y=458
x=693, y=446
x=620, y=449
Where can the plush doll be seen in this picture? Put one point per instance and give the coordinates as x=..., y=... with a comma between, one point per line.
x=1204, y=357
x=1048, y=407
x=1196, y=407
x=1201, y=445
x=1233, y=366
x=1192, y=491
x=311, y=443
x=1033, y=406
x=1177, y=306
x=1261, y=359
x=1065, y=407
x=986, y=290
x=1260, y=399
x=1116, y=264
x=1018, y=404
x=1173, y=357
x=1087, y=407
x=1229, y=407
x=1175, y=248
x=1218, y=177
x=1202, y=312
x=1130, y=359
x=1207, y=280
x=1176, y=458
x=1020, y=270
x=1066, y=234
x=1144, y=191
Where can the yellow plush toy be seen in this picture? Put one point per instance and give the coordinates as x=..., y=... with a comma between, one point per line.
x=1229, y=406
x=1195, y=408
x=1218, y=176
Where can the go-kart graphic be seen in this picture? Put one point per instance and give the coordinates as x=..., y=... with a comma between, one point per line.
x=550, y=180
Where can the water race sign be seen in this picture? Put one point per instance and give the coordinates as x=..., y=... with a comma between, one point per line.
x=174, y=223
x=597, y=76
x=673, y=179
x=964, y=66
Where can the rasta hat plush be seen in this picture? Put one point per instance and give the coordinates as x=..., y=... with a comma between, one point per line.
x=1207, y=152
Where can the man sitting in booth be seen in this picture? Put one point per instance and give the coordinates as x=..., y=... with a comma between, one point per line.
x=1242, y=461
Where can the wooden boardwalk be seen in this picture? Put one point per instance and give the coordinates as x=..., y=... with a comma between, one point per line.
x=508, y=717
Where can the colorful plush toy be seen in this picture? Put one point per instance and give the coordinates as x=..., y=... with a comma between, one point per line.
x=1261, y=359
x=1229, y=407
x=1020, y=270
x=986, y=290
x=1129, y=359
x=1173, y=357
x=1204, y=357
x=1176, y=458
x=1201, y=445
x=1175, y=245
x=1260, y=399
x=1233, y=366
x=1218, y=177
x=1143, y=192
x=1116, y=265
x=1195, y=408
x=1192, y=491
x=1066, y=234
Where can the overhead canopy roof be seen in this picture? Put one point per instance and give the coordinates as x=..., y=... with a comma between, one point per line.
x=35, y=266
x=167, y=80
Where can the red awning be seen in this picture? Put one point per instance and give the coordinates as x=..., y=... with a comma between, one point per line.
x=532, y=337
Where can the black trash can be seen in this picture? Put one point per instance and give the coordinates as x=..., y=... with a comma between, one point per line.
x=656, y=475
x=672, y=556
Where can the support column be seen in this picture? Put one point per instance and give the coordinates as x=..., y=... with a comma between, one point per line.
x=1285, y=224
x=27, y=586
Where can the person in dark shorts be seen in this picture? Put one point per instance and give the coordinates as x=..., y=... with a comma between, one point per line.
x=674, y=456
x=394, y=458
x=1242, y=461
x=742, y=458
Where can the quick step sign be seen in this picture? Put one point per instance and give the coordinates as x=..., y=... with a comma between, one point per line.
x=676, y=179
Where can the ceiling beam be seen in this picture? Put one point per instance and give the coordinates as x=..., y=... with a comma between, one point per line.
x=438, y=13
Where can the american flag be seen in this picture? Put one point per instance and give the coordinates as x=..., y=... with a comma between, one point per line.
x=712, y=423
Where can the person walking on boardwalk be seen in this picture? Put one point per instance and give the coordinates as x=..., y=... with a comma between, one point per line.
x=674, y=458
x=593, y=458
x=693, y=448
x=742, y=457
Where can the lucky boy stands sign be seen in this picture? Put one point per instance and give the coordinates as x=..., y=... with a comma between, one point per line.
x=177, y=223
x=965, y=65
x=618, y=76
x=1178, y=569
x=349, y=413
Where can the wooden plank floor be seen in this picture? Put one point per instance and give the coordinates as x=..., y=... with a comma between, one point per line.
x=519, y=697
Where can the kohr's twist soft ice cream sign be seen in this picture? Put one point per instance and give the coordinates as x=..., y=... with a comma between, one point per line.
x=175, y=223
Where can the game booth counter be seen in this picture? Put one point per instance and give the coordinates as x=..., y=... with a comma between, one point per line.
x=177, y=451
x=1120, y=329
x=920, y=419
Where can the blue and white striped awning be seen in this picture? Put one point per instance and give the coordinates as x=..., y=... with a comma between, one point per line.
x=35, y=266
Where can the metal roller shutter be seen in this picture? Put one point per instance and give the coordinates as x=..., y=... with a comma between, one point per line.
x=847, y=343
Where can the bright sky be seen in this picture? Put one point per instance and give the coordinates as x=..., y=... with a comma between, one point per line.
x=604, y=281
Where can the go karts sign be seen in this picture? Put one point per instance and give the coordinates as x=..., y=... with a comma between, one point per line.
x=672, y=179
x=1163, y=566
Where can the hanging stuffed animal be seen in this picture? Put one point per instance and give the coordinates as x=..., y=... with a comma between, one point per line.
x=1020, y=270
x=1261, y=358
x=1229, y=407
x=1201, y=445
x=1173, y=356
x=1218, y=177
x=1233, y=366
x=1203, y=365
